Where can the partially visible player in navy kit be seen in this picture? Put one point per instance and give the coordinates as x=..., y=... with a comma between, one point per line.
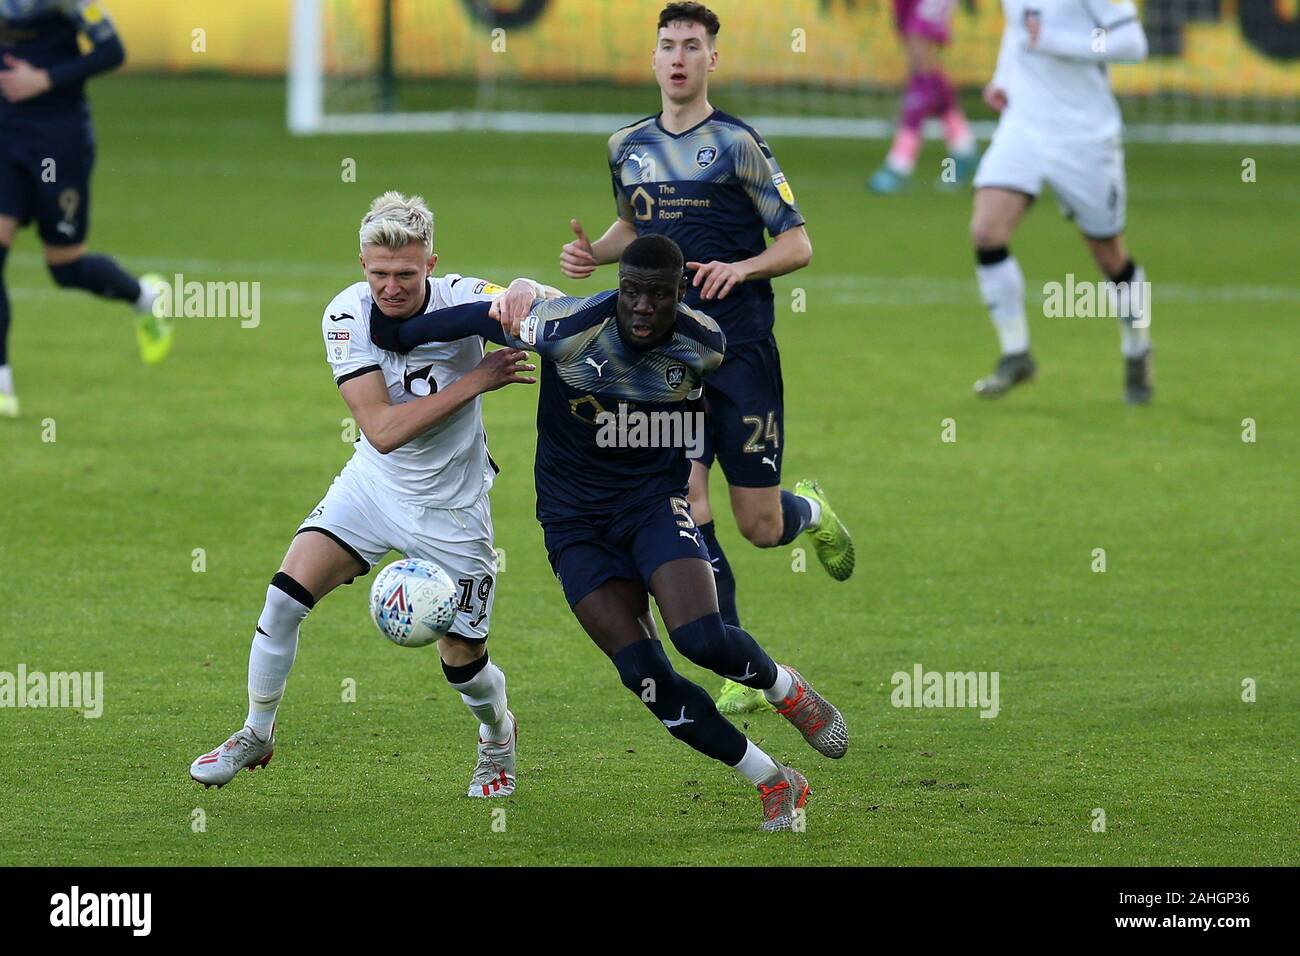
x=709, y=182
x=616, y=521
x=47, y=151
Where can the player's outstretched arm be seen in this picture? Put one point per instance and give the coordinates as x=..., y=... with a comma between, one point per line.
x=442, y=325
x=789, y=251
x=388, y=427
x=1118, y=37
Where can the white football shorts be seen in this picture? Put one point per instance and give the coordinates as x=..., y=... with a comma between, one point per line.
x=368, y=523
x=1086, y=176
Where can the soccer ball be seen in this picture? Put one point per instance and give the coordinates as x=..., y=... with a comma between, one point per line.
x=413, y=602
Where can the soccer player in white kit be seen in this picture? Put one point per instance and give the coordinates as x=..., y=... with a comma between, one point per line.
x=417, y=483
x=1060, y=124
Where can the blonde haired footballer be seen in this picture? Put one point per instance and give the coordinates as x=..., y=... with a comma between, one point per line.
x=417, y=483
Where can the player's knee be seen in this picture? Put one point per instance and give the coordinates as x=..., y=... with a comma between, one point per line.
x=986, y=233
x=65, y=274
x=701, y=641
x=761, y=529
x=458, y=651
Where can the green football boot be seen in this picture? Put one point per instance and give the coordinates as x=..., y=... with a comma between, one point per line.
x=739, y=699
x=8, y=405
x=832, y=541
x=153, y=333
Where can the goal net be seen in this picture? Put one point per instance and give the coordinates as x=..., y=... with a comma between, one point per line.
x=1219, y=70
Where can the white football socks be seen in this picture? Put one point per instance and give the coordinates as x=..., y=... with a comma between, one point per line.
x=779, y=691
x=1003, y=287
x=485, y=696
x=275, y=644
x=6, y=380
x=1131, y=304
x=148, y=294
x=756, y=766
x=816, y=507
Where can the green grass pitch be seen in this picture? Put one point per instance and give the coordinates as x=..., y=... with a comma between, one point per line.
x=1120, y=691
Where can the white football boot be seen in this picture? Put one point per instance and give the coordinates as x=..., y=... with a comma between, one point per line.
x=494, y=776
x=243, y=749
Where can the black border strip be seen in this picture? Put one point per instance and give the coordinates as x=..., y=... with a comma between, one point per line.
x=358, y=372
x=341, y=543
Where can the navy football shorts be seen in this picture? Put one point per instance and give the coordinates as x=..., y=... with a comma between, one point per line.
x=45, y=175
x=745, y=421
x=587, y=552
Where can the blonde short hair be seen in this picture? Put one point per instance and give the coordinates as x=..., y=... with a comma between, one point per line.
x=395, y=221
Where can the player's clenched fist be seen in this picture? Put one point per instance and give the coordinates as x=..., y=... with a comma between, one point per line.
x=577, y=261
x=715, y=279
x=995, y=97
x=501, y=368
x=509, y=309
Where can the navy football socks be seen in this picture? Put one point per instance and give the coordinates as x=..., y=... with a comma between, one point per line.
x=684, y=708
x=723, y=579
x=796, y=515
x=728, y=651
x=4, y=309
x=99, y=275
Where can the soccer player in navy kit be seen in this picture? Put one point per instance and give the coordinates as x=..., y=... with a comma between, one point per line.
x=614, y=513
x=709, y=182
x=47, y=151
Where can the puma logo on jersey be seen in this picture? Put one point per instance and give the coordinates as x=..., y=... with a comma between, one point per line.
x=771, y=461
x=683, y=719
x=645, y=164
x=598, y=368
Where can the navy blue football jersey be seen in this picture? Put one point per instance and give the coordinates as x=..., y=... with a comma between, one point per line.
x=44, y=33
x=713, y=190
x=590, y=377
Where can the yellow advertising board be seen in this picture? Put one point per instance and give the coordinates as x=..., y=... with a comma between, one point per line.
x=1202, y=47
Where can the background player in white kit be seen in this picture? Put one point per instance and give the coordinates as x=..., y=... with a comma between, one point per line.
x=1060, y=124
x=417, y=483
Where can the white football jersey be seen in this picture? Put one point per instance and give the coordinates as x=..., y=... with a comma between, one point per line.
x=447, y=466
x=1058, y=97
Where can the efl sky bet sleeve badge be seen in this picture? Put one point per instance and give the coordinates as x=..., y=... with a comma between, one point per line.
x=340, y=344
x=528, y=329
x=783, y=188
